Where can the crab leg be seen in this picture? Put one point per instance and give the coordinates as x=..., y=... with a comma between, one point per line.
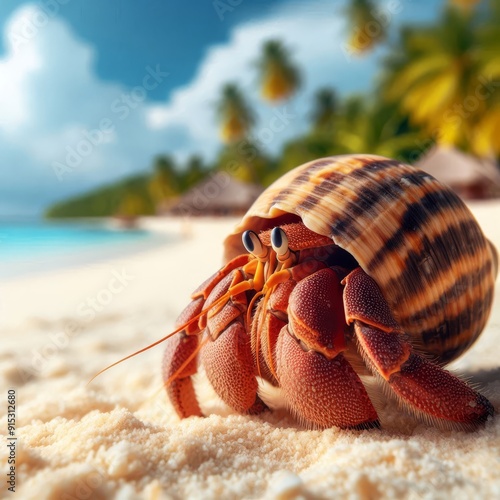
x=177, y=370
x=179, y=359
x=226, y=353
x=319, y=384
x=423, y=387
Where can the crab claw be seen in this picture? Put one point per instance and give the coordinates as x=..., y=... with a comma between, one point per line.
x=421, y=386
x=320, y=386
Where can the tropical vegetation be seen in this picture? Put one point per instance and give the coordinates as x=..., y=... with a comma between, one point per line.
x=440, y=85
x=279, y=76
x=234, y=114
x=367, y=26
x=445, y=76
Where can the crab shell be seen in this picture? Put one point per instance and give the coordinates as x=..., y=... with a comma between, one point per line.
x=406, y=230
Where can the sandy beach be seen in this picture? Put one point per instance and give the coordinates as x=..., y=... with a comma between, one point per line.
x=118, y=437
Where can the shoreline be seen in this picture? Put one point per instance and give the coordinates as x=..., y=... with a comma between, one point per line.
x=49, y=291
x=162, y=231
x=165, y=230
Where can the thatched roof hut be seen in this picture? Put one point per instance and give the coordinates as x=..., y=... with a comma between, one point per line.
x=218, y=194
x=470, y=177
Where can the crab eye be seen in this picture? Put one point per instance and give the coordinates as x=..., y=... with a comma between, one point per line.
x=253, y=245
x=279, y=242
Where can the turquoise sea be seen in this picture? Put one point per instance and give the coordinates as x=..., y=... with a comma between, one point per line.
x=37, y=245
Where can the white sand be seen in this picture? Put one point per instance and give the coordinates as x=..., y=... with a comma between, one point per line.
x=119, y=437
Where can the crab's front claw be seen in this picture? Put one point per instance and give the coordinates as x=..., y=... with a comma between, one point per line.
x=423, y=387
x=322, y=392
x=320, y=386
x=228, y=363
x=226, y=353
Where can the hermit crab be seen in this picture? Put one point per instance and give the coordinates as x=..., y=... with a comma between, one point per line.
x=345, y=267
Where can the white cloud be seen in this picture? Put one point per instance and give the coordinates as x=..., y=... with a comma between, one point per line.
x=15, y=70
x=54, y=109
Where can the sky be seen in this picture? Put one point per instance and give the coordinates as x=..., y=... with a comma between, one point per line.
x=92, y=90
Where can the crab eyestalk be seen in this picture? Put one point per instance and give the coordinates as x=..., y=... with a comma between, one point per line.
x=279, y=242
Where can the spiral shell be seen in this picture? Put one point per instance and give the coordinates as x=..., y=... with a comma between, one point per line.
x=409, y=232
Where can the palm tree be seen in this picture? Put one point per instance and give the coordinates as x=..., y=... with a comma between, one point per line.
x=465, y=5
x=245, y=161
x=360, y=126
x=164, y=182
x=324, y=111
x=443, y=77
x=193, y=173
x=487, y=126
x=279, y=76
x=234, y=114
x=366, y=28
x=378, y=128
x=319, y=142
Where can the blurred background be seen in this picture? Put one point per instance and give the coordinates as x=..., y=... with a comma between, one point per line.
x=125, y=109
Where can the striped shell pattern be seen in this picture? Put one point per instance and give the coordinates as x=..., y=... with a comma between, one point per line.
x=406, y=230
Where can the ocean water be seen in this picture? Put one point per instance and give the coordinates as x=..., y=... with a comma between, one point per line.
x=38, y=245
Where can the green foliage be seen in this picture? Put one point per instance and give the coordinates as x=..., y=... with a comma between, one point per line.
x=138, y=195
x=165, y=182
x=126, y=197
x=442, y=76
x=325, y=109
x=234, y=114
x=194, y=172
x=375, y=128
x=245, y=161
x=366, y=26
x=279, y=76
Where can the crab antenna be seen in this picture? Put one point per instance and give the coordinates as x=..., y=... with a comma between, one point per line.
x=136, y=353
x=177, y=330
x=254, y=246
